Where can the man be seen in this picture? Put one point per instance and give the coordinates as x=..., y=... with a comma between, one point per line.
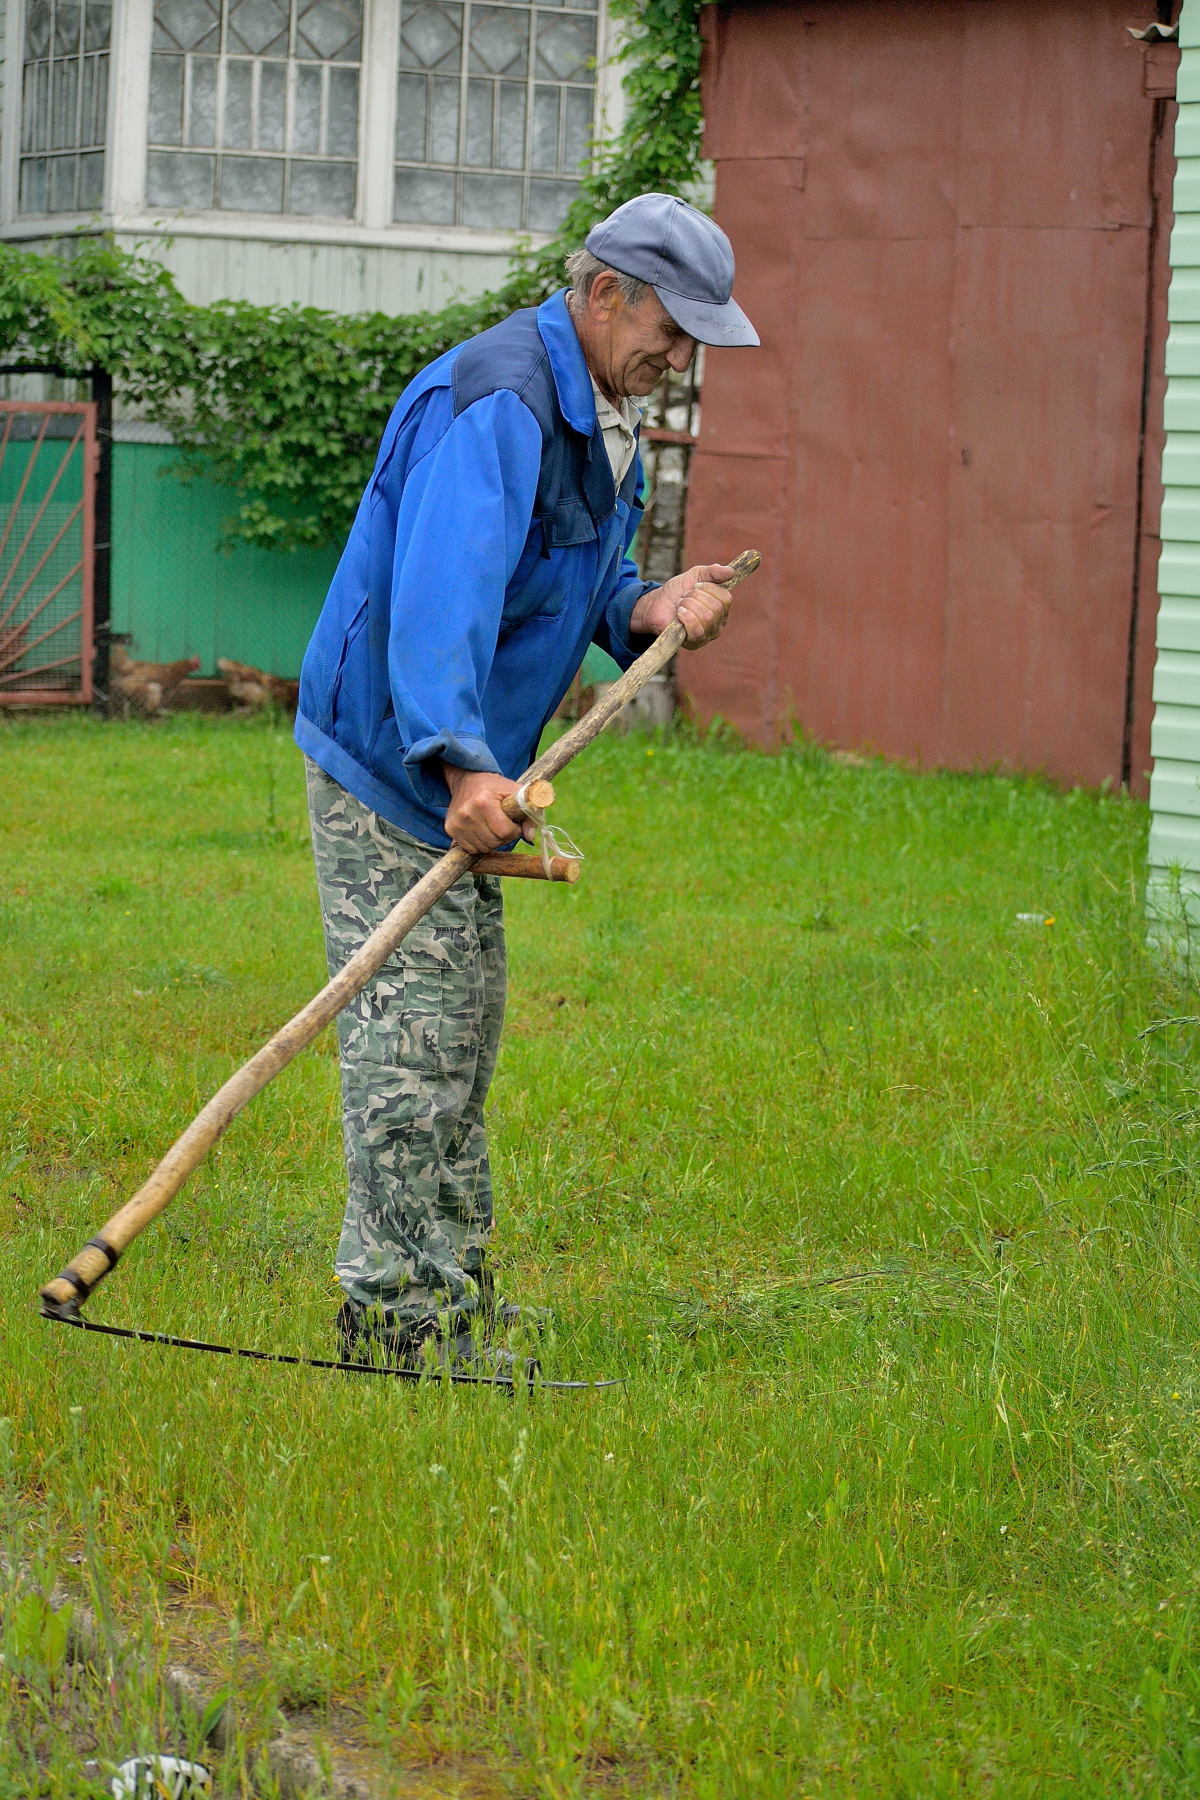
x=489, y=550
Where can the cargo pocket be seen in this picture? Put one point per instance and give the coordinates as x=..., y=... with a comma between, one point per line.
x=440, y=1002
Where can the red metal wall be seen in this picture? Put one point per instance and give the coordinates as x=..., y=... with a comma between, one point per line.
x=944, y=220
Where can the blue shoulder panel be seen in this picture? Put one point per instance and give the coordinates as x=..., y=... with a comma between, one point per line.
x=575, y=488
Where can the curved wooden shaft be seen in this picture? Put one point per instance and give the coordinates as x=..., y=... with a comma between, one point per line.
x=68, y=1290
x=100, y=1254
x=622, y=691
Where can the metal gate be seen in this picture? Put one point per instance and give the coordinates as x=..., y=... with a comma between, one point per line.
x=48, y=468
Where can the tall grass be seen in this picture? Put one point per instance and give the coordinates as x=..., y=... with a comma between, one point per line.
x=881, y=1196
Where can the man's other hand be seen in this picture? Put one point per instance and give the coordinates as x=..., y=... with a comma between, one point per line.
x=696, y=598
x=474, y=820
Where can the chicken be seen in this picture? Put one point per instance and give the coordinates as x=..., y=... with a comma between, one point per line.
x=145, y=687
x=12, y=645
x=255, y=687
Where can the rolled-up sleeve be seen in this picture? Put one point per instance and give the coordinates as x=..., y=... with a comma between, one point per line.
x=462, y=520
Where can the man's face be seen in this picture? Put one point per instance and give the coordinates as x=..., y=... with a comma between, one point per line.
x=637, y=344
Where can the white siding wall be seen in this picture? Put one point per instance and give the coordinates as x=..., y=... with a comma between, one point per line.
x=347, y=278
x=1175, y=783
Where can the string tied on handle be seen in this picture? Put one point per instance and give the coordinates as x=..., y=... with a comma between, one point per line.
x=550, y=840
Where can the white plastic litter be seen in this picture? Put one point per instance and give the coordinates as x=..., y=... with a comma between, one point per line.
x=161, y=1778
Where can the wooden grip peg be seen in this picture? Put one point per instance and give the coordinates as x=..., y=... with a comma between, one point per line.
x=508, y=862
x=538, y=794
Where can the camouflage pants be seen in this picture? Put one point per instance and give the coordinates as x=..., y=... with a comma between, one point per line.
x=418, y=1048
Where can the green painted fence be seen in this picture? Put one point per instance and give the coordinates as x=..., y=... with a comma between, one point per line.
x=177, y=593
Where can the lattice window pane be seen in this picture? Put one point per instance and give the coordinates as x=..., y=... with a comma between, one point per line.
x=492, y=201
x=306, y=118
x=548, y=203
x=62, y=184
x=64, y=99
x=412, y=104
x=97, y=25
x=271, y=112
x=566, y=47
x=341, y=133
x=257, y=27
x=478, y=149
x=235, y=127
x=94, y=100
x=519, y=103
x=91, y=181
x=425, y=195
x=443, y=121
x=251, y=183
x=431, y=37
x=39, y=22
x=64, y=106
x=329, y=30
x=34, y=191
x=544, y=152
x=499, y=40
x=280, y=88
x=68, y=27
x=35, y=114
x=186, y=181
x=510, y=125
x=578, y=114
x=202, y=105
x=323, y=189
x=187, y=25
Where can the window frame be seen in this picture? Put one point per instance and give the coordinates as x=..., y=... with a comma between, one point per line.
x=125, y=207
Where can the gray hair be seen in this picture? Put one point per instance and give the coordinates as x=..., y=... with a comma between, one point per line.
x=583, y=268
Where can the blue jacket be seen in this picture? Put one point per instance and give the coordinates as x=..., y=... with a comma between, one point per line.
x=488, y=551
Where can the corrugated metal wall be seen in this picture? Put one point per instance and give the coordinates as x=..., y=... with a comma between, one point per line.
x=177, y=594
x=1175, y=737
x=348, y=278
x=946, y=218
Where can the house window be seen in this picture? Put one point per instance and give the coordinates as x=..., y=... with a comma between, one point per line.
x=494, y=111
x=64, y=105
x=254, y=106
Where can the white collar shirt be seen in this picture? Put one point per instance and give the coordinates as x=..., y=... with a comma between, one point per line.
x=619, y=428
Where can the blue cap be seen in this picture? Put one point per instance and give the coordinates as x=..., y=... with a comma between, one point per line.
x=684, y=256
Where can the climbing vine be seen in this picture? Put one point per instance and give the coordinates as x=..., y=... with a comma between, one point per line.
x=287, y=403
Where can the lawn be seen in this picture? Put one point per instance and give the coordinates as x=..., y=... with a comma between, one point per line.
x=842, y=1111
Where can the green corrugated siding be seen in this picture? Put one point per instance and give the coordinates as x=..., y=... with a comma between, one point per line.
x=1175, y=784
x=178, y=594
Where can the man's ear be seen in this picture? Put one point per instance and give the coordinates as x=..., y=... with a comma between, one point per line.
x=604, y=295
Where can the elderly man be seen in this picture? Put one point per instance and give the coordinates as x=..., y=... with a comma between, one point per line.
x=489, y=550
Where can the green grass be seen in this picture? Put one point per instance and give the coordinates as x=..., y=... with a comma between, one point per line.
x=882, y=1200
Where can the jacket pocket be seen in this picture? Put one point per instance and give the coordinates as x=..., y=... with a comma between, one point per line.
x=569, y=523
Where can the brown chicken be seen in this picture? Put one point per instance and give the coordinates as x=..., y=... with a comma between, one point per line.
x=255, y=687
x=12, y=645
x=145, y=687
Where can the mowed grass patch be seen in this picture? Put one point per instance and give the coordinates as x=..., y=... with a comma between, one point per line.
x=880, y=1195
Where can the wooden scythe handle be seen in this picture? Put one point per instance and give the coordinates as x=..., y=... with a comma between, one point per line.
x=505, y=862
x=66, y=1293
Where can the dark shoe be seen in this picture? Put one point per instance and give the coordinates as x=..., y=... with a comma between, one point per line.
x=366, y=1339
x=464, y=1353
x=365, y=1336
x=500, y=1315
